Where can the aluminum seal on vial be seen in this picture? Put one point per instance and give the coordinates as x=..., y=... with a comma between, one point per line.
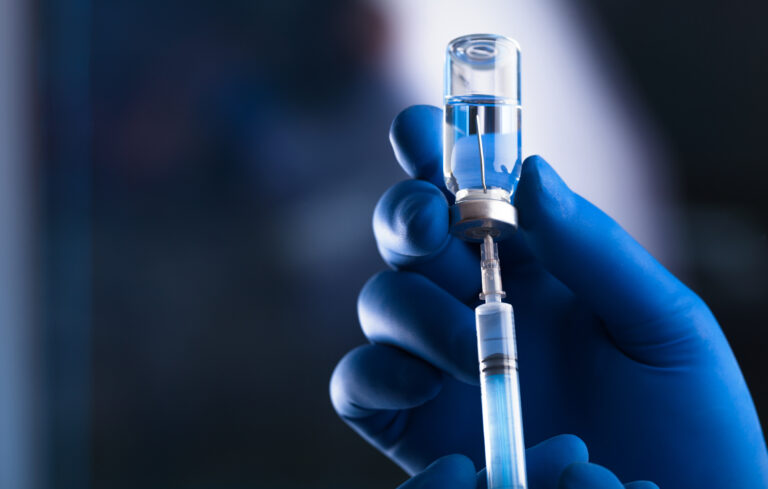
x=481, y=134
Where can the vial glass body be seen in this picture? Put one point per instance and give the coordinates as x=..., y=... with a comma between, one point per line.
x=481, y=130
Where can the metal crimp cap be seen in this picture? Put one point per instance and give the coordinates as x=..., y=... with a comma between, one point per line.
x=472, y=220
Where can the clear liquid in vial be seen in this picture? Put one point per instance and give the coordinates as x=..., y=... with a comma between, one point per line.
x=500, y=131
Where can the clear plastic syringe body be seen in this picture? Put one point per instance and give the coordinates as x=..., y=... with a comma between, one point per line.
x=502, y=417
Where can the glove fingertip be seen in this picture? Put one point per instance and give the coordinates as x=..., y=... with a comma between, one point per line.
x=369, y=297
x=454, y=471
x=547, y=460
x=541, y=193
x=410, y=222
x=567, y=446
x=584, y=475
x=641, y=485
x=416, y=139
x=373, y=377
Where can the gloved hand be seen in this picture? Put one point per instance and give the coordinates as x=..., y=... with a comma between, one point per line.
x=611, y=346
x=559, y=462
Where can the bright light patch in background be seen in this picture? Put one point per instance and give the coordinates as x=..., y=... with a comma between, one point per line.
x=579, y=111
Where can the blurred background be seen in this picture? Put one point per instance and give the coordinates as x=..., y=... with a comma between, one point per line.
x=186, y=190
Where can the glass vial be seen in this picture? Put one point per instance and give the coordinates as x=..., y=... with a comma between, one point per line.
x=481, y=130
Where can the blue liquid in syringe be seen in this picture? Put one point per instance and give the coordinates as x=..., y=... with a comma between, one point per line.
x=502, y=417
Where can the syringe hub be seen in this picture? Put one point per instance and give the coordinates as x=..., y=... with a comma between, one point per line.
x=491, y=271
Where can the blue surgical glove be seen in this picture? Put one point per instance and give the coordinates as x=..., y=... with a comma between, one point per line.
x=557, y=463
x=612, y=347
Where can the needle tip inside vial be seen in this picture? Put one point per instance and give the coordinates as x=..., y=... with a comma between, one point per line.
x=482, y=156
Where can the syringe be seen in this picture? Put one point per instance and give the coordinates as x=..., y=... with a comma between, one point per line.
x=502, y=418
x=481, y=166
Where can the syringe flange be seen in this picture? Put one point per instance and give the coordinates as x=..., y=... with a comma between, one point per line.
x=472, y=220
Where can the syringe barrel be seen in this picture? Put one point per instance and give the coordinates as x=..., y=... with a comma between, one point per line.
x=502, y=417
